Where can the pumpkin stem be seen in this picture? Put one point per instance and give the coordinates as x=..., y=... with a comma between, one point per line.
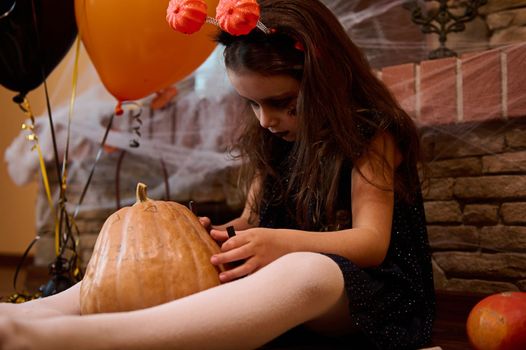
x=141, y=193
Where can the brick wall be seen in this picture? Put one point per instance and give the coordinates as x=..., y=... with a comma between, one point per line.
x=505, y=20
x=475, y=202
x=472, y=114
x=474, y=87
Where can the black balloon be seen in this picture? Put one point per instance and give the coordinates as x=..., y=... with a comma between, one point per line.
x=34, y=37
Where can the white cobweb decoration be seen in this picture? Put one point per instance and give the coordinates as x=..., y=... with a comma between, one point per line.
x=190, y=136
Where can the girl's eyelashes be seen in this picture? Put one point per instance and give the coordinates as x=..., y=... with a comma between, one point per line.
x=285, y=103
x=288, y=105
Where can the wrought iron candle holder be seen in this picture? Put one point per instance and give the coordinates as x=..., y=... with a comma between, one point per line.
x=442, y=22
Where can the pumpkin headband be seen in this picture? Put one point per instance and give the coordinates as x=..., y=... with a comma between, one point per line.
x=236, y=17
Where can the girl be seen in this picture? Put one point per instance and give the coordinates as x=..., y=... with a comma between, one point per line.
x=333, y=233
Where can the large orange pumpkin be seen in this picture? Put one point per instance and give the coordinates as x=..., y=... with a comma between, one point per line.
x=498, y=322
x=148, y=254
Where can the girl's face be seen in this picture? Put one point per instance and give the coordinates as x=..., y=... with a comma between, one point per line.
x=272, y=98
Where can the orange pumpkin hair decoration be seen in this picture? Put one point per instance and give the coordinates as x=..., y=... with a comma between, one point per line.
x=237, y=17
x=186, y=16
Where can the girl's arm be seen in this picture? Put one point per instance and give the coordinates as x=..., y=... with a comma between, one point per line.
x=64, y=303
x=372, y=198
x=366, y=243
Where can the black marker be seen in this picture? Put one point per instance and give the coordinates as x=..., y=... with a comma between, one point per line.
x=231, y=232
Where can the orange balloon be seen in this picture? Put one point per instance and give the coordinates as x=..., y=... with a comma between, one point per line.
x=133, y=48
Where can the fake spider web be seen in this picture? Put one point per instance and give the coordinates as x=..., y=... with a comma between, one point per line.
x=188, y=139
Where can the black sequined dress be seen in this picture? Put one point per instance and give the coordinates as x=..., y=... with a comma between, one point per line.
x=394, y=304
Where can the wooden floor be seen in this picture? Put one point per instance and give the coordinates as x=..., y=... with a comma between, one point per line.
x=449, y=330
x=453, y=309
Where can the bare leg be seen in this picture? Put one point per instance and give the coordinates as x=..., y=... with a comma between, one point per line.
x=64, y=303
x=243, y=314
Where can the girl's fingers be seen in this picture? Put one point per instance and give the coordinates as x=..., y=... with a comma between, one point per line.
x=236, y=254
x=235, y=241
x=205, y=221
x=219, y=235
x=240, y=271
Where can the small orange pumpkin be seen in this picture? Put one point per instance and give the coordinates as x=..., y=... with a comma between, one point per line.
x=148, y=254
x=498, y=322
x=237, y=17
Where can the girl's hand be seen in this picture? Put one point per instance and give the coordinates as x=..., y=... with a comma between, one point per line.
x=206, y=222
x=219, y=236
x=256, y=246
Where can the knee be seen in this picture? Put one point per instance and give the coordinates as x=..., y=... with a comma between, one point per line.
x=314, y=275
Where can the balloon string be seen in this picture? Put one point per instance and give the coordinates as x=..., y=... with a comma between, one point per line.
x=77, y=272
x=62, y=194
x=63, y=216
x=92, y=171
x=70, y=114
x=26, y=108
x=48, y=104
x=22, y=260
x=117, y=180
x=61, y=242
x=62, y=198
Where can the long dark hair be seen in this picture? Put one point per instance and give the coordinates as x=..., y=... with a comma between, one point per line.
x=341, y=105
